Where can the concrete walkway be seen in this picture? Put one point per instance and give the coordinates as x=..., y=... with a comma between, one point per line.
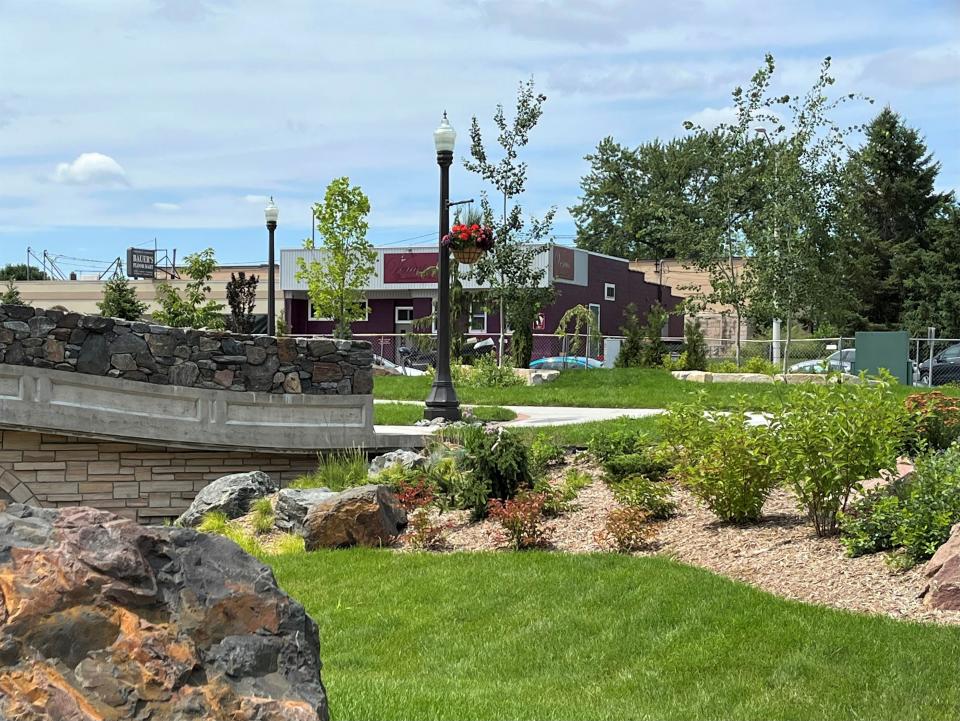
x=533, y=416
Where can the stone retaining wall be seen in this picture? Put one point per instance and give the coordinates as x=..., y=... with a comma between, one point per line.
x=145, y=482
x=215, y=360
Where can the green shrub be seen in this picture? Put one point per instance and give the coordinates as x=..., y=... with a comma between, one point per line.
x=914, y=514
x=722, y=458
x=645, y=463
x=543, y=454
x=336, y=471
x=694, y=347
x=758, y=364
x=726, y=366
x=631, y=350
x=487, y=374
x=606, y=445
x=558, y=499
x=670, y=365
x=653, y=498
x=830, y=437
x=471, y=492
x=500, y=457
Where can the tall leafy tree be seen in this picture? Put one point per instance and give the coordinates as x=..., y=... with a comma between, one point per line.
x=191, y=308
x=242, y=298
x=21, y=271
x=636, y=202
x=891, y=205
x=120, y=300
x=335, y=283
x=516, y=282
x=795, y=244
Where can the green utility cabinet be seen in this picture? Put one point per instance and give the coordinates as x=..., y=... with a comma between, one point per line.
x=884, y=350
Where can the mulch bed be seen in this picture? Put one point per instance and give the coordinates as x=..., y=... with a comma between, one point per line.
x=781, y=554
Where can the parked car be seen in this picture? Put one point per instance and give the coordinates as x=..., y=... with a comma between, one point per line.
x=946, y=367
x=559, y=363
x=839, y=361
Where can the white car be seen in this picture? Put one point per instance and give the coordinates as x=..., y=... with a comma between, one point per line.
x=838, y=361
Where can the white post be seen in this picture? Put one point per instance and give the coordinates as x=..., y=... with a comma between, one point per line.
x=931, y=334
x=776, y=341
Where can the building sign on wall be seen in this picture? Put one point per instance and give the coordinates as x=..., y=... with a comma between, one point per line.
x=410, y=268
x=141, y=263
x=563, y=259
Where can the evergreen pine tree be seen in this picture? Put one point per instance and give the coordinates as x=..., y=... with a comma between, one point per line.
x=890, y=203
x=120, y=300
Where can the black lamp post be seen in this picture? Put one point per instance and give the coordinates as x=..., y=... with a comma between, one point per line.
x=442, y=401
x=271, y=212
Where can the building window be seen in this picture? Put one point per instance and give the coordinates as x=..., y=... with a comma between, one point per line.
x=478, y=317
x=404, y=314
x=609, y=291
x=313, y=312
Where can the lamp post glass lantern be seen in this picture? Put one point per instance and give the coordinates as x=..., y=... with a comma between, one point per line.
x=271, y=213
x=442, y=401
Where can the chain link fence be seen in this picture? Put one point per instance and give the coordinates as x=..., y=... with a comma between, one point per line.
x=818, y=355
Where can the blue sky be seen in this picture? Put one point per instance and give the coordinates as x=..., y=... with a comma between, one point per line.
x=122, y=121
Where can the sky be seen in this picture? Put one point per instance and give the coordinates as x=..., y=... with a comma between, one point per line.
x=124, y=122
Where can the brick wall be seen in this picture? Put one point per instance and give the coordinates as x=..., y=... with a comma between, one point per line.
x=145, y=482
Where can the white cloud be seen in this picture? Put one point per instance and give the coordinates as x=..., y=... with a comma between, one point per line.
x=167, y=207
x=710, y=118
x=91, y=169
x=256, y=199
x=918, y=67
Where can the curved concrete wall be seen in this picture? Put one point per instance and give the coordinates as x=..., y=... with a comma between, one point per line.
x=45, y=400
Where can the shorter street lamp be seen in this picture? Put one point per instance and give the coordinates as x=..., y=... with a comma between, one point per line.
x=271, y=213
x=442, y=401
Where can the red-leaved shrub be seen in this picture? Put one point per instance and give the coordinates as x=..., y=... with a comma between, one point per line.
x=521, y=518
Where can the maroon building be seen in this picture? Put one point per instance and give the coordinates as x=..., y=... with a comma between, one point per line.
x=403, y=290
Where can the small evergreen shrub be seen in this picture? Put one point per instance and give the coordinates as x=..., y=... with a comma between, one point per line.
x=645, y=463
x=500, y=457
x=694, y=347
x=653, y=498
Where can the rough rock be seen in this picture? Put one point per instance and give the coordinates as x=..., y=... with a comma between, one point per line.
x=367, y=515
x=293, y=504
x=103, y=619
x=943, y=570
x=231, y=495
x=408, y=459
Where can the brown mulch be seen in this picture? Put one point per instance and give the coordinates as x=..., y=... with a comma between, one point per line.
x=781, y=554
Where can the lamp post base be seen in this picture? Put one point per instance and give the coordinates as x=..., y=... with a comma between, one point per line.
x=442, y=402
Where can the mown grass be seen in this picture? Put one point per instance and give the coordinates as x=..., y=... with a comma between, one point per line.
x=406, y=414
x=550, y=636
x=604, y=388
x=578, y=435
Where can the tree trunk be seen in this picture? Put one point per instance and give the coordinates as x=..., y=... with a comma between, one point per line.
x=786, y=345
x=739, y=324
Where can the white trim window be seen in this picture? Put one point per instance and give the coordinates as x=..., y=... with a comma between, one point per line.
x=609, y=291
x=403, y=314
x=313, y=316
x=478, y=317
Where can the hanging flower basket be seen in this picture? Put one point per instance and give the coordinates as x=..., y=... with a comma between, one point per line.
x=468, y=243
x=467, y=256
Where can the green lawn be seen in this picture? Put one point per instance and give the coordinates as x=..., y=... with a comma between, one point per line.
x=406, y=414
x=550, y=636
x=607, y=388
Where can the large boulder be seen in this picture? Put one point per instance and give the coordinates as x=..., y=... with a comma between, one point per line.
x=105, y=619
x=407, y=459
x=231, y=495
x=293, y=504
x=943, y=570
x=367, y=515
